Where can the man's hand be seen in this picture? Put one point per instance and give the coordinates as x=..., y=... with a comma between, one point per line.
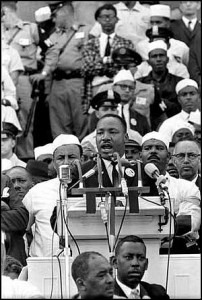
x=36, y=78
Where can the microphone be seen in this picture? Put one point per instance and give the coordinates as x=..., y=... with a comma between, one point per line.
x=124, y=162
x=78, y=164
x=88, y=174
x=139, y=173
x=99, y=167
x=65, y=175
x=123, y=181
x=153, y=172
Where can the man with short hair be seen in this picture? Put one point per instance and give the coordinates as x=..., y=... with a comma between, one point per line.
x=42, y=198
x=188, y=98
x=130, y=262
x=93, y=276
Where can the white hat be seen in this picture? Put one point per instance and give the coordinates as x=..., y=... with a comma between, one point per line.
x=160, y=10
x=123, y=75
x=159, y=44
x=42, y=14
x=134, y=135
x=156, y=136
x=184, y=83
x=195, y=117
x=6, y=164
x=180, y=125
x=98, y=80
x=46, y=149
x=104, y=87
x=65, y=139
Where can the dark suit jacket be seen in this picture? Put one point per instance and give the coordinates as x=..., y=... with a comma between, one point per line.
x=155, y=291
x=181, y=32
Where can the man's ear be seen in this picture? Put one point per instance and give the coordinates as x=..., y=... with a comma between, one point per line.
x=114, y=262
x=80, y=283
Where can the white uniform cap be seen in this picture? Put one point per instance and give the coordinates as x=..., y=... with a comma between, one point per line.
x=65, y=139
x=6, y=164
x=195, y=117
x=134, y=135
x=160, y=10
x=104, y=87
x=180, y=125
x=123, y=75
x=42, y=14
x=159, y=44
x=156, y=136
x=184, y=83
x=98, y=80
x=46, y=149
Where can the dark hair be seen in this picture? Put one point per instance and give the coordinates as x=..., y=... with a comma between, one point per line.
x=123, y=122
x=128, y=238
x=80, y=265
x=107, y=7
x=12, y=265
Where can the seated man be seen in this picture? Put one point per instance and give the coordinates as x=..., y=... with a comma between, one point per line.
x=130, y=262
x=93, y=276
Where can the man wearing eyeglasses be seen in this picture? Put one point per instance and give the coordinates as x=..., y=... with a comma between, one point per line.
x=187, y=158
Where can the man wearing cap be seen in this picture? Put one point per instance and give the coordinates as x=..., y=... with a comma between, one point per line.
x=23, y=36
x=125, y=85
x=104, y=103
x=63, y=59
x=160, y=15
x=182, y=131
x=188, y=98
x=165, y=100
x=184, y=195
x=8, y=143
x=45, y=154
x=42, y=198
x=174, y=67
x=132, y=150
x=97, y=53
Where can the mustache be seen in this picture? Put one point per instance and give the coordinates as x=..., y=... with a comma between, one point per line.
x=153, y=156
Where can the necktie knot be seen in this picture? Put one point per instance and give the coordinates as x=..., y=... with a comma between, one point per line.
x=134, y=294
x=189, y=25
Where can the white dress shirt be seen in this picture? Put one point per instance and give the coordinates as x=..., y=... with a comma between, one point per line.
x=127, y=290
x=186, y=22
x=103, y=42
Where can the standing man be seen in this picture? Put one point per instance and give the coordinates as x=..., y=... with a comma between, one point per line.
x=97, y=53
x=131, y=262
x=63, y=59
x=23, y=36
x=42, y=198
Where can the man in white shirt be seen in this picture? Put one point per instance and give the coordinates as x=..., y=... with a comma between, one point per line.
x=160, y=16
x=188, y=98
x=42, y=198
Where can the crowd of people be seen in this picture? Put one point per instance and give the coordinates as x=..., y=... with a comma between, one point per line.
x=75, y=94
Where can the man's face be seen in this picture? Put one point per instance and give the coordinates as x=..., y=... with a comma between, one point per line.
x=131, y=263
x=110, y=137
x=48, y=158
x=7, y=145
x=160, y=22
x=125, y=88
x=182, y=134
x=189, y=8
x=21, y=180
x=188, y=98
x=158, y=60
x=187, y=167
x=66, y=154
x=99, y=281
x=107, y=20
x=132, y=152
x=154, y=151
x=106, y=108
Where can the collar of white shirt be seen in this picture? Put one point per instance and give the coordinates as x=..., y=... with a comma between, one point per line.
x=185, y=115
x=108, y=167
x=186, y=22
x=103, y=42
x=126, y=289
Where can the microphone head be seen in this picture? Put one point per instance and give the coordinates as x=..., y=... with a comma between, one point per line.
x=150, y=169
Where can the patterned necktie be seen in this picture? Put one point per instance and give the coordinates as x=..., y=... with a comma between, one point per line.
x=134, y=294
x=189, y=26
x=115, y=174
x=108, y=47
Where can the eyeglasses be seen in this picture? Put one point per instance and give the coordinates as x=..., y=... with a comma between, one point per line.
x=181, y=156
x=105, y=18
x=124, y=87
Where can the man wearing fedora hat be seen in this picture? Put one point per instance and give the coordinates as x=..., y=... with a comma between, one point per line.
x=42, y=198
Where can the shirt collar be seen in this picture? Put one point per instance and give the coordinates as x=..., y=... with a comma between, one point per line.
x=186, y=21
x=185, y=115
x=126, y=289
x=104, y=35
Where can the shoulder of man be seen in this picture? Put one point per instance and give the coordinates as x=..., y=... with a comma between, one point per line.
x=155, y=291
